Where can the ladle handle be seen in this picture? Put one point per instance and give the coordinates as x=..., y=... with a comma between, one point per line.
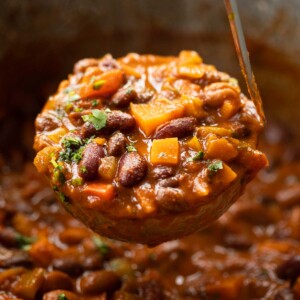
x=243, y=56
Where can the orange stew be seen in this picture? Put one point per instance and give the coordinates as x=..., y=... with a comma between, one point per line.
x=145, y=135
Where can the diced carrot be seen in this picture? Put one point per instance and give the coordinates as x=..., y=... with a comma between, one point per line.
x=104, y=192
x=150, y=115
x=220, y=148
x=165, y=151
x=99, y=141
x=194, y=144
x=29, y=283
x=102, y=85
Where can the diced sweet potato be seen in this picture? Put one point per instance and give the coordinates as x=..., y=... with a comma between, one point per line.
x=220, y=148
x=226, y=175
x=191, y=71
x=194, y=144
x=150, y=115
x=189, y=57
x=228, y=109
x=43, y=158
x=165, y=151
x=103, y=85
x=193, y=106
x=203, y=131
x=56, y=135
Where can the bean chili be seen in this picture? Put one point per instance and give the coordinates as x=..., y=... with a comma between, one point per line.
x=116, y=123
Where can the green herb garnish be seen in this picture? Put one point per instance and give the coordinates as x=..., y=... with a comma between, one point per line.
x=215, y=166
x=131, y=148
x=62, y=296
x=73, y=148
x=97, y=118
x=198, y=156
x=103, y=248
x=95, y=103
x=98, y=84
x=78, y=181
x=24, y=242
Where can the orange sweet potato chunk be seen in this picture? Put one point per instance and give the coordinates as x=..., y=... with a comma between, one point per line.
x=150, y=115
x=165, y=151
x=105, y=192
x=221, y=148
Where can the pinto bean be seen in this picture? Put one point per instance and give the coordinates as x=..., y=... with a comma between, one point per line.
x=88, y=166
x=216, y=93
x=176, y=128
x=116, y=145
x=170, y=198
x=132, y=169
x=99, y=282
x=118, y=120
x=290, y=269
x=123, y=97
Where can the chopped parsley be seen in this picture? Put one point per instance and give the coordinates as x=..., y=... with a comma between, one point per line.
x=97, y=118
x=103, y=248
x=73, y=148
x=95, y=103
x=62, y=296
x=58, y=175
x=98, y=84
x=78, y=181
x=198, y=156
x=131, y=148
x=24, y=242
x=215, y=166
x=83, y=169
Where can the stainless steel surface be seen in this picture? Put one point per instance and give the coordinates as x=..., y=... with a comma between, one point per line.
x=243, y=56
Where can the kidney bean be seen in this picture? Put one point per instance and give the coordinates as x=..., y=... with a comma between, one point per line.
x=144, y=96
x=169, y=182
x=176, y=128
x=87, y=130
x=162, y=172
x=69, y=264
x=123, y=97
x=8, y=237
x=88, y=166
x=99, y=282
x=14, y=258
x=55, y=280
x=46, y=122
x=116, y=145
x=171, y=199
x=73, y=236
x=108, y=63
x=290, y=269
x=118, y=120
x=132, y=169
x=216, y=93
